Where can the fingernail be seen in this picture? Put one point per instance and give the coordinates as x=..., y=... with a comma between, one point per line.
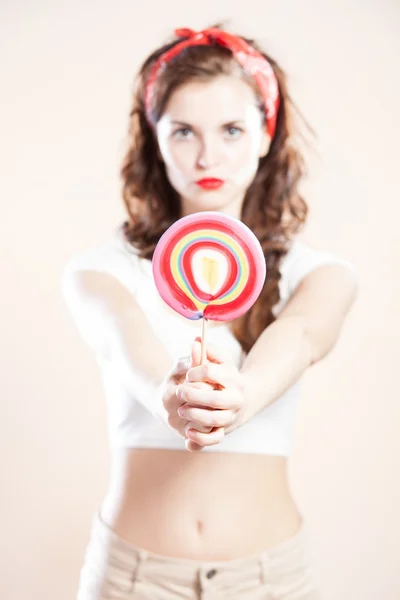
x=181, y=411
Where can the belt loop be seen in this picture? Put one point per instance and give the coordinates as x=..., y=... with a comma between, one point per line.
x=141, y=556
x=265, y=570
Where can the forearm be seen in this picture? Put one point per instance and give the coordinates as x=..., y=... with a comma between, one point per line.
x=304, y=333
x=277, y=360
x=141, y=360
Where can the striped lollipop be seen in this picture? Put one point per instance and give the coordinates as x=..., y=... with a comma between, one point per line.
x=209, y=265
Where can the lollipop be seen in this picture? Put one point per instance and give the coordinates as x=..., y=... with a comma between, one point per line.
x=209, y=265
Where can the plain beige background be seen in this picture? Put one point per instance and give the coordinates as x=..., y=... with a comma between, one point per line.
x=66, y=78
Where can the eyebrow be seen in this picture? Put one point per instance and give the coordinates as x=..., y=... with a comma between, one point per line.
x=223, y=125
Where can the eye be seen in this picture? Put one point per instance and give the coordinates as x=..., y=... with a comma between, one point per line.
x=183, y=132
x=234, y=131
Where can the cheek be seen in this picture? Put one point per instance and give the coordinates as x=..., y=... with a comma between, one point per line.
x=171, y=152
x=245, y=162
x=178, y=157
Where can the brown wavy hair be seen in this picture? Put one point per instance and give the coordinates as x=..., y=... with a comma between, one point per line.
x=272, y=208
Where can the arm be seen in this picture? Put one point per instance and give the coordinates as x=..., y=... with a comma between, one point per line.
x=114, y=326
x=304, y=332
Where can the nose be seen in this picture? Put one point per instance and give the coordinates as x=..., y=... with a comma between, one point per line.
x=209, y=155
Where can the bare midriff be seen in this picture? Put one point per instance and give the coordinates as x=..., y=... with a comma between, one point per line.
x=200, y=505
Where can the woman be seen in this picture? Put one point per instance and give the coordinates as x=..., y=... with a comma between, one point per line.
x=198, y=504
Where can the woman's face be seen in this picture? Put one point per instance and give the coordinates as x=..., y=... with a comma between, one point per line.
x=211, y=130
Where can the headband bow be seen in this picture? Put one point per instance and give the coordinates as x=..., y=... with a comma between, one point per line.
x=252, y=62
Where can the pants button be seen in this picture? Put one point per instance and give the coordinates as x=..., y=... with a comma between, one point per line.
x=211, y=573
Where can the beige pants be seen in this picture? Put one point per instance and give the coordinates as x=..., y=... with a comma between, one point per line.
x=114, y=568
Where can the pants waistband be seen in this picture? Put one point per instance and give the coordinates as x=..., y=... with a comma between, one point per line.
x=262, y=563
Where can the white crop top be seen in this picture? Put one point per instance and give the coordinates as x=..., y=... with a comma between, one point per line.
x=131, y=422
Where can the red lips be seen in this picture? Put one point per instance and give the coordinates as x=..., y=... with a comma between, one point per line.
x=210, y=183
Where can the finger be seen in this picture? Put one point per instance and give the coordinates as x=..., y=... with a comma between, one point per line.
x=217, y=374
x=181, y=367
x=194, y=394
x=198, y=427
x=222, y=399
x=196, y=353
x=206, y=439
x=216, y=353
x=205, y=417
x=199, y=385
x=192, y=446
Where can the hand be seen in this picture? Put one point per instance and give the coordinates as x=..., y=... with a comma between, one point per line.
x=219, y=405
x=171, y=402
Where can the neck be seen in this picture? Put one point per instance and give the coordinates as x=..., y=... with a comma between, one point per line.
x=233, y=209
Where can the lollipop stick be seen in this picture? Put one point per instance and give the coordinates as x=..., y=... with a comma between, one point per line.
x=203, y=342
